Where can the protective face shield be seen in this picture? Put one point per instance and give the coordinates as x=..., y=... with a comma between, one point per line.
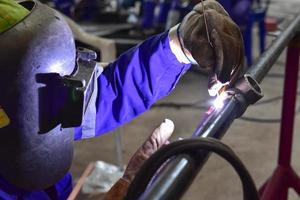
x=45, y=89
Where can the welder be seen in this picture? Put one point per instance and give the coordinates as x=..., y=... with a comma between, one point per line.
x=126, y=88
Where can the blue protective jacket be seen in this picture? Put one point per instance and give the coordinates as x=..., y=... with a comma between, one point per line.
x=126, y=88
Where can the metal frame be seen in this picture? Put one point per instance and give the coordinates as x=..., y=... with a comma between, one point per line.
x=284, y=177
x=181, y=171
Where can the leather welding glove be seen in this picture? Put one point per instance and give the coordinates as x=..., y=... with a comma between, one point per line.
x=157, y=139
x=224, y=56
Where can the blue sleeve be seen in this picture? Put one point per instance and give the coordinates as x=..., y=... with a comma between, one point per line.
x=136, y=80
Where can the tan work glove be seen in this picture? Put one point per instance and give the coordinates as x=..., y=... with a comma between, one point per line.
x=157, y=139
x=224, y=56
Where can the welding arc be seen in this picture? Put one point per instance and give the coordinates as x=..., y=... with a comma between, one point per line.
x=191, y=147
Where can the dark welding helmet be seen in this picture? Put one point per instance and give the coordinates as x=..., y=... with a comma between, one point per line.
x=45, y=87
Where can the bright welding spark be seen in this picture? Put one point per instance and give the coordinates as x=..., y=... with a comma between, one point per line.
x=55, y=67
x=215, y=88
x=219, y=101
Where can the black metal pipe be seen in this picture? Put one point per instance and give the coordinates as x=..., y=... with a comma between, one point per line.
x=191, y=147
x=218, y=121
x=173, y=178
x=171, y=184
x=270, y=56
x=183, y=167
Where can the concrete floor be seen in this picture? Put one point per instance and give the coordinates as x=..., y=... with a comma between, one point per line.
x=255, y=143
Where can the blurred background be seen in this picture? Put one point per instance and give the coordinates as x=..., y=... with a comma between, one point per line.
x=128, y=22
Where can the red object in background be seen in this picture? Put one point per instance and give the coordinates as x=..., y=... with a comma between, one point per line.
x=284, y=177
x=271, y=24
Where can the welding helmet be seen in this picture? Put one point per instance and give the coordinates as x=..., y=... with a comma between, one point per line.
x=43, y=93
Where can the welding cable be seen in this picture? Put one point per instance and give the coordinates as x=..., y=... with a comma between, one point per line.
x=191, y=147
x=266, y=120
x=261, y=120
x=277, y=75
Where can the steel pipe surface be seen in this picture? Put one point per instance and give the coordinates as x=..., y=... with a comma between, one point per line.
x=270, y=56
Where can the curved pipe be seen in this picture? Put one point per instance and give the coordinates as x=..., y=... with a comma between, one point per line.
x=192, y=148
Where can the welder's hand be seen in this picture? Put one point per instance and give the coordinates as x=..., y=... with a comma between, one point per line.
x=157, y=139
x=225, y=55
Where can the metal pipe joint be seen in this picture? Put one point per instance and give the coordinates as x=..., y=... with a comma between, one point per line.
x=247, y=91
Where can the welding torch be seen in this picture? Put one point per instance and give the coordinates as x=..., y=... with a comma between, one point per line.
x=215, y=86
